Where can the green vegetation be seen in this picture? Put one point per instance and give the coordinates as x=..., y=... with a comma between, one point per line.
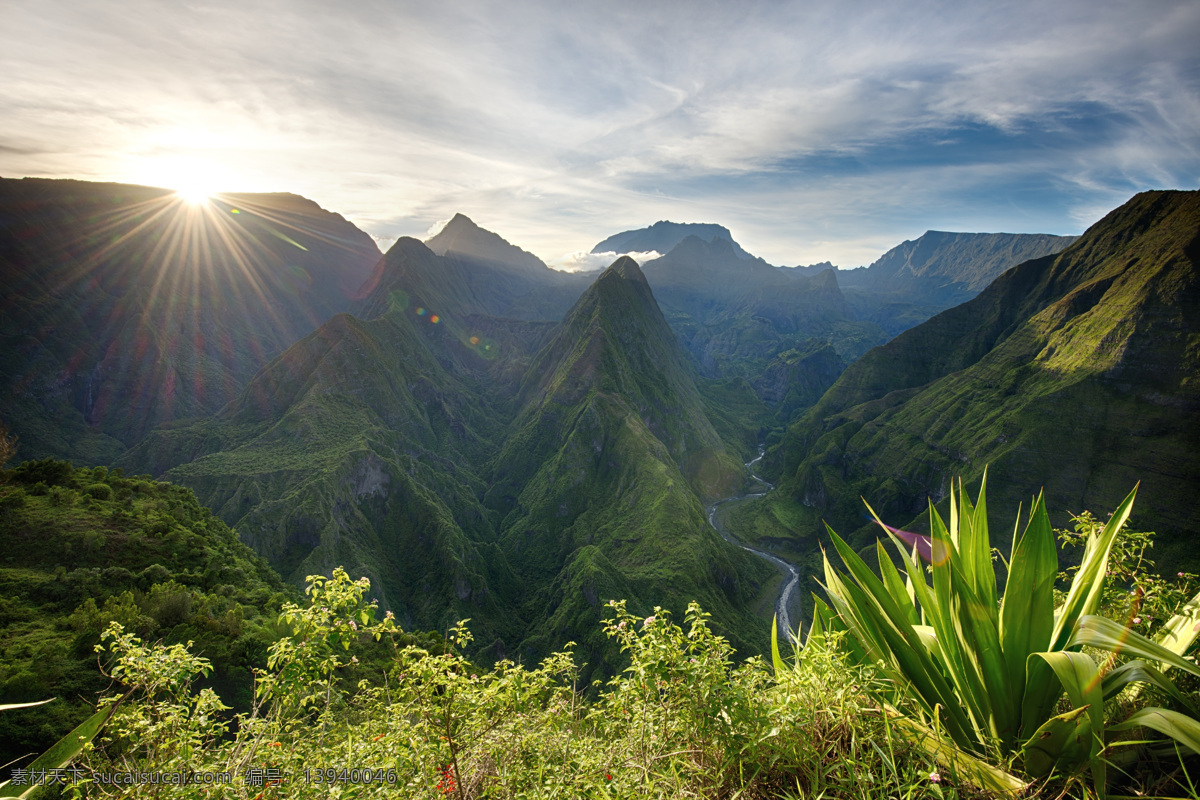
x=978, y=676
x=84, y=547
x=345, y=704
x=681, y=719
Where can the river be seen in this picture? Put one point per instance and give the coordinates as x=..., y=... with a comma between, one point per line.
x=789, y=570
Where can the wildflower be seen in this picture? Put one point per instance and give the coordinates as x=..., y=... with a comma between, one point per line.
x=353, y=659
x=353, y=625
x=649, y=621
x=389, y=615
x=1137, y=620
x=608, y=776
x=935, y=777
x=620, y=624
x=1181, y=574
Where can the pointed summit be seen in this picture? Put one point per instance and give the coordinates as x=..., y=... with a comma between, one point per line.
x=627, y=268
x=464, y=240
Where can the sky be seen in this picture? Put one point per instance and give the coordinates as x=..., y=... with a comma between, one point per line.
x=814, y=131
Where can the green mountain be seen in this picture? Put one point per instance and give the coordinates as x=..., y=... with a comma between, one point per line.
x=604, y=474
x=1076, y=372
x=506, y=280
x=123, y=307
x=513, y=472
x=743, y=319
x=359, y=447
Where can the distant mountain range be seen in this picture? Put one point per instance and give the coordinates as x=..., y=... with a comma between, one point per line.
x=486, y=437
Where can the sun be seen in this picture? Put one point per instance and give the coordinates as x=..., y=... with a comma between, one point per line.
x=195, y=194
x=195, y=179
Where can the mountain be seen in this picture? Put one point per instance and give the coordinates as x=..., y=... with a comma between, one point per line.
x=468, y=463
x=508, y=281
x=360, y=447
x=742, y=319
x=123, y=307
x=604, y=475
x=1075, y=372
x=662, y=237
x=464, y=240
x=945, y=269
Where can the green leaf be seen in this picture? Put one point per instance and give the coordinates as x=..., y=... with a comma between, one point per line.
x=1103, y=633
x=1078, y=674
x=13, y=706
x=1027, y=613
x=776, y=661
x=962, y=764
x=1179, y=727
x=1143, y=673
x=895, y=584
x=1083, y=598
x=1182, y=629
x=65, y=749
x=1064, y=740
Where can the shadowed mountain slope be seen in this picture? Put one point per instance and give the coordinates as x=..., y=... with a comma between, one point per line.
x=1076, y=372
x=122, y=307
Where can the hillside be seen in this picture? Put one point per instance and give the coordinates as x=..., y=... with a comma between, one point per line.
x=1075, y=372
x=82, y=547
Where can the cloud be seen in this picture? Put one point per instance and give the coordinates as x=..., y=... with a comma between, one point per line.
x=814, y=130
x=585, y=261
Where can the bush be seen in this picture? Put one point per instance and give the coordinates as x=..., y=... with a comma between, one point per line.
x=100, y=491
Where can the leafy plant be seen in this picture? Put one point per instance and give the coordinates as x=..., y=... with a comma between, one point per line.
x=987, y=671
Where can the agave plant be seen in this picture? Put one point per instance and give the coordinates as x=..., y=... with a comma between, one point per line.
x=982, y=674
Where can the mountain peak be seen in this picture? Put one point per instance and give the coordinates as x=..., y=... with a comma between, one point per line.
x=628, y=269
x=461, y=238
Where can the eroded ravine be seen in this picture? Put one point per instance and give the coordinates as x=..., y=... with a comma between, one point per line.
x=790, y=570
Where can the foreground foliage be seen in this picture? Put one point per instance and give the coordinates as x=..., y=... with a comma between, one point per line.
x=682, y=720
x=979, y=676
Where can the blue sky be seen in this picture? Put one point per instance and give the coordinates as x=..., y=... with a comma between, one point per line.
x=814, y=131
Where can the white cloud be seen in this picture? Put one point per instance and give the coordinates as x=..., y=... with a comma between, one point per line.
x=584, y=261
x=814, y=130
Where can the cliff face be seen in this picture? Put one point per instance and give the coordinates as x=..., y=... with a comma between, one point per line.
x=1075, y=372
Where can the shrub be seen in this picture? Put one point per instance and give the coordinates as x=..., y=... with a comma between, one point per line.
x=100, y=491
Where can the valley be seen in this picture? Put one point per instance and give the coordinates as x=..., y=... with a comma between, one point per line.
x=485, y=437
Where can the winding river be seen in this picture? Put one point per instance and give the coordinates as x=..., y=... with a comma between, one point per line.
x=790, y=571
